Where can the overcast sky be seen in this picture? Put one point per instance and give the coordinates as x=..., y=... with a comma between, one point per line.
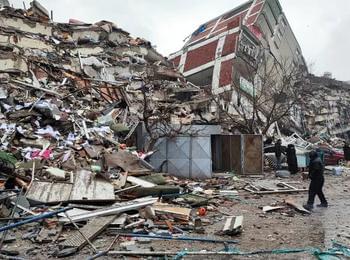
x=321, y=26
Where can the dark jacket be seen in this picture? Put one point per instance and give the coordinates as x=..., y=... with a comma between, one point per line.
x=346, y=150
x=316, y=169
x=292, y=159
x=278, y=150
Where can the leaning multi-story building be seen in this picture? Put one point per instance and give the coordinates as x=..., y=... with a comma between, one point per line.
x=217, y=52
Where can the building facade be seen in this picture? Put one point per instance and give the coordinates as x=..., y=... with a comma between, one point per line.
x=223, y=52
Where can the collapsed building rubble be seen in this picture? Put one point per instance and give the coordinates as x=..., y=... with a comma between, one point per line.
x=332, y=96
x=75, y=90
x=71, y=97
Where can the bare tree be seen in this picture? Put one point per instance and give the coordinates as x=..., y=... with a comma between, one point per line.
x=156, y=117
x=265, y=94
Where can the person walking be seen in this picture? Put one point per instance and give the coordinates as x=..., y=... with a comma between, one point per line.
x=292, y=159
x=278, y=153
x=317, y=182
x=346, y=150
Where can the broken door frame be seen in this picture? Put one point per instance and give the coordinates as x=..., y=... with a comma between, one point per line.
x=238, y=166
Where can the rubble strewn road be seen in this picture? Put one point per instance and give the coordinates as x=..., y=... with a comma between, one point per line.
x=81, y=109
x=335, y=219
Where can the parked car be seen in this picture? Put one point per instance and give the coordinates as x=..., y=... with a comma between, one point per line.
x=332, y=156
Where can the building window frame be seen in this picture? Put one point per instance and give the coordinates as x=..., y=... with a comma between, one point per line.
x=283, y=22
x=273, y=14
x=268, y=23
x=279, y=33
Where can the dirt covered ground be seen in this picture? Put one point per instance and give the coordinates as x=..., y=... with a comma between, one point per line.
x=282, y=229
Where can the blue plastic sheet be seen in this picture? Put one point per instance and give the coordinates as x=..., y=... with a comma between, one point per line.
x=201, y=29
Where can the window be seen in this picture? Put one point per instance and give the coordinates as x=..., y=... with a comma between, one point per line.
x=298, y=52
x=279, y=34
x=295, y=63
x=275, y=7
x=279, y=30
x=284, y=23
x=295, y=111
x=268, y=24
x=273, y=14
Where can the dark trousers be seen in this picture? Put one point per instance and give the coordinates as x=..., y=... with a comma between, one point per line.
x=279, y=162
x=316, y=189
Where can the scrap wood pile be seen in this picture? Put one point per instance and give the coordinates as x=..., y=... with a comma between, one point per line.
x=68, y=216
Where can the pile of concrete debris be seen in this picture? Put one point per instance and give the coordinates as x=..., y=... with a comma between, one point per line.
x=71, y=97
x=332, y=96
x=72, y=94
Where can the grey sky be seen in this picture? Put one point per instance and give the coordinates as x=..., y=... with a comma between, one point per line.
x=321, y=26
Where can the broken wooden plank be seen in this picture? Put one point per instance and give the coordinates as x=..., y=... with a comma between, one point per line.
x=176, y=212
x=275, y=191
x=238, y=223
x=233, y=225
x=127, y=189
x=91, y=230
x=82, y=234
x=228, y=193
x=85, y=188
x=88, y=188
x=49, y=192
x=120, y=183
x=120, y=220
x=138, y=181
x=271, y=208
x=297, y=206
x=135, y=224
x=25, y=209
x=250, y=190
x=48, y=91
x=113, y=210
x=254, y=187
x=228, y=224
x=288, y=186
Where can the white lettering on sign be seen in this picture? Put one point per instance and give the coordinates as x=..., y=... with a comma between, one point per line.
x=247, y=86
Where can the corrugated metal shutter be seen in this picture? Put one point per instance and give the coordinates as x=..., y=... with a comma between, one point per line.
x=187, y=157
